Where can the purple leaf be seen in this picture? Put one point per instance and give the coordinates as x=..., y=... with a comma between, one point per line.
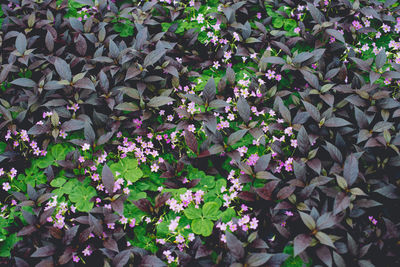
x=76, y=24
x=324, y=239
x=285, y=192
x=209, y=90
x=302, y=57
x=342, y=201
x=153, y=57
x=63, y=69
x=153, y=261
x=217, y=103
x=81, y=45
x=243, y=109
x=118, y=205
x=236, y=136
x=122, y=258
x=350, y=170
x=380, y=59
x=72, y=125
x=234, y=245
x=364, y=65
x=262, y=163
x=49, y=41
x=325, y=255
x=307, y=220
x=70, y=233
x=143, y=204
x=161, y=199
x=257, y=259
x=96, y=224
x=159, y=101
x=313, y=111
x=315, y=13
x=266, y=191
x=107, y=178
x=334, y=152
x=85, y=83
x=336, y=122
x=114, y=50
x=110, y=244
x=21, y=43
x=24, y=82
x=301, y=242
x=44, y=252
x=303, y=141
x=191, y=141
x=273, y=60
x=335, y=33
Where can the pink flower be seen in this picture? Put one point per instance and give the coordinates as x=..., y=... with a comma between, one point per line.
x=76, y=258
x=87, y=251
x=289, y=213
x=191, y=128
x=6, y=186
x=252, y=160
x=154, y=167
x=85, y=146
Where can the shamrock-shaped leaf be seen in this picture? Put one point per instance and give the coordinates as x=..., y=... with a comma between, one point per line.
x=192, y=213
x=211, y=210
x=128, y=169
x=81, y=196
x=202, y=227
x=57, y=152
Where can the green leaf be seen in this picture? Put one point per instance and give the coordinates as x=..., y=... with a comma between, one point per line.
x=135, y=195
x=128, y=169
x=227, y=215
x=192, y=213
x=70, y=186
x=208, y=182
x=211, y=210
x=81, y=196
x=289, y=25
x=8, y=244
x=133, y=175
x=202, y=227
x=277, y=22
x=45, y=162
x=59, y=152
x=2, y=147
x=57, y=182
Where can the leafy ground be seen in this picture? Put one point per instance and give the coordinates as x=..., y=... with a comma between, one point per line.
x=200, y=133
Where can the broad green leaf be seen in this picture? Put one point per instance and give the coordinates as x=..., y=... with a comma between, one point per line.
x=133, y=175
x=192, y=213
x=58, y=152
x=202, y=227
x=211, y=210
x=57, y=182
x=8, y=244
x=227, y=215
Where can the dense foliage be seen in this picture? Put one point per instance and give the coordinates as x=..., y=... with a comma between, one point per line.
x=204, y=133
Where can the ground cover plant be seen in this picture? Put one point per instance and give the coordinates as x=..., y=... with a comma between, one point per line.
x=200, y=133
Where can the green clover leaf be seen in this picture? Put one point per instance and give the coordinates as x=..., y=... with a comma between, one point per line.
x=192, y=213
x=128, y=169
x=211, y=210
x=202, y=227
x=81, y=196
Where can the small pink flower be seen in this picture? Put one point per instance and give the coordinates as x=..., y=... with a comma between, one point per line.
x=6, y=186
x=75, y=258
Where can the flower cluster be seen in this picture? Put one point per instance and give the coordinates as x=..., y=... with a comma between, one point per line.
x=24, y=144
